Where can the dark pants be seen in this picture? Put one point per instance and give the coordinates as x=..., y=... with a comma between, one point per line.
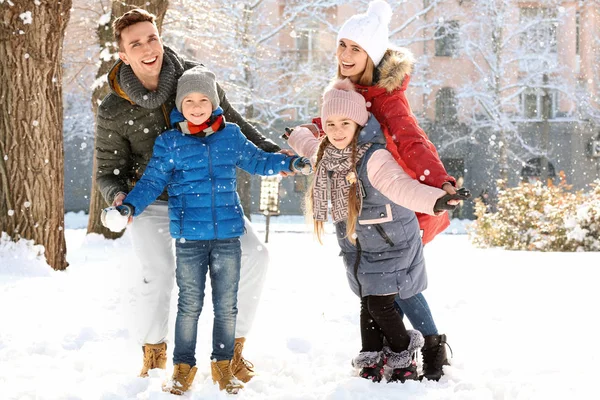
x=379, y=319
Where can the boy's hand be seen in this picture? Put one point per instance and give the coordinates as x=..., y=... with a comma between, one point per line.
x=450, y=201
x=290, y=153
x=302, y=165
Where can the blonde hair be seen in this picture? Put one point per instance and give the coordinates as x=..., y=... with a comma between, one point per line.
x=353, y=203
x=366, y=78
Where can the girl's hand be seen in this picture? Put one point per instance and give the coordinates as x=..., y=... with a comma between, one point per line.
x=450, y=189
x=290, y=153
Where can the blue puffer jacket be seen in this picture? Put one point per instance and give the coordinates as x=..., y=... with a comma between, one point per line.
x=200, y=175
x=390, y=257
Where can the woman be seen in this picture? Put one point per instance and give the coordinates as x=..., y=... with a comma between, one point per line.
x=381, y=75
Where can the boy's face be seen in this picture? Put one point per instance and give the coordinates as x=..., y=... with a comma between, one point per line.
x=196, y=108
x=340, y=130
x=142, y=49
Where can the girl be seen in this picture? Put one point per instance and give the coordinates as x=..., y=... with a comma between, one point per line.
x=381, y=76
x=379, y=238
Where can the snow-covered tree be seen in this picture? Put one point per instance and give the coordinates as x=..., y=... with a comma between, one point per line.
x=513, y=51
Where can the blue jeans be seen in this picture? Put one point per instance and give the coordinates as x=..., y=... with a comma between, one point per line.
x=194, y=258
x=418, y=313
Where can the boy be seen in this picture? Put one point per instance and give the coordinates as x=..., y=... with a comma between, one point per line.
x=197, y=161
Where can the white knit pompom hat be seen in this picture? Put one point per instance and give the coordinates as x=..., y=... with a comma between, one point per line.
x=341, y=99
x=370, y=31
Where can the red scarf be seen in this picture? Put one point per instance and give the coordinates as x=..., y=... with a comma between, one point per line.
x=208, y=127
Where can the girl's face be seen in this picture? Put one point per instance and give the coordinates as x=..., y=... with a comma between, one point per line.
x=352, y=59
x=340, y=130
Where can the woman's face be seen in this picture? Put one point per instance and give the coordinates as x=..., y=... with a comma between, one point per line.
x=340, y=130
x=352, y=59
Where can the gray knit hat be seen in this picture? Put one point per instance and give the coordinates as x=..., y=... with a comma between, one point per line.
x=200, y=80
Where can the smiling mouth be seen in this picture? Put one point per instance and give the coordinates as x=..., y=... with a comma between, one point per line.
x=148, y=62
x=339, y=139
x=347, y=65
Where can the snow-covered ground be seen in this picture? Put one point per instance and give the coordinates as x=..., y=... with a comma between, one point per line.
x=521, y=324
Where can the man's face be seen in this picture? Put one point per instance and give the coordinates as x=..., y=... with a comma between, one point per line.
x=142, y=49
x=196, y=108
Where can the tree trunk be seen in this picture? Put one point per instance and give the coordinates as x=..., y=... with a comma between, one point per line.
x=244, y=179
x=107, y=45
x=31, y=137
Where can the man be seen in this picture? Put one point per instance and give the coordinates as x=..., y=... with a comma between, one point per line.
x=143, y=86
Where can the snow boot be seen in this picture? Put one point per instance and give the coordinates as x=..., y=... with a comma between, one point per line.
x=370, y=364
x=221, y=374
x=403, y=364
x=182, y=379
x=155, y=356
x=434, y=357
x=241, y=368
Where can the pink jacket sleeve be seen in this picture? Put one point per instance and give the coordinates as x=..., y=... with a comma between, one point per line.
x=303, y=142
x=390, y=179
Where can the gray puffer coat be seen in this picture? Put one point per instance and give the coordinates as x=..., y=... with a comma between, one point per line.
x=388, y=257
x=126, y=132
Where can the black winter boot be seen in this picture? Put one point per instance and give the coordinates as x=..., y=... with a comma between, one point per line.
x=370, y=364
x=403, y=364
x=434, y=357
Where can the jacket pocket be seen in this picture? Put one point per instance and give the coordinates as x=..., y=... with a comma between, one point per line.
x=385, y=261
x=376, y=215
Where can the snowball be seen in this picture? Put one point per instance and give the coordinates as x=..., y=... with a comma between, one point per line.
x=114, y=221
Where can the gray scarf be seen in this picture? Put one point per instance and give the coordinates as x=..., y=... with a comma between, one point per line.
x=171, y=71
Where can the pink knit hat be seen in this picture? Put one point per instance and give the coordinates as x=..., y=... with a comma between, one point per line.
x=340, y=98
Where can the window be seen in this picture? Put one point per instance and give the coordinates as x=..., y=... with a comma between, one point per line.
x=306, y=44
x=445, y=106
x=539, y=34
x=532, y=102
x=447, y=39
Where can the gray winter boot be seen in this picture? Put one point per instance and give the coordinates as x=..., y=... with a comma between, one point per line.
x=403, y=364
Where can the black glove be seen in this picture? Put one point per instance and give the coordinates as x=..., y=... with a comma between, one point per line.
x=126, y=209
x=288, y=132
x=442, y=203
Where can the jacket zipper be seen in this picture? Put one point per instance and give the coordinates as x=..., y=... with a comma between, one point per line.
x=356, y=264
x=167, y=119
x=182, y=216
x=384, y=235
x=212, y=181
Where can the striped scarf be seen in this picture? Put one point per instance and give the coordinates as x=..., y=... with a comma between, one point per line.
x=339, y=163
x=215, y=123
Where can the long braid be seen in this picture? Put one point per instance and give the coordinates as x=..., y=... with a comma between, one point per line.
x=353, y=200
x=309, y=199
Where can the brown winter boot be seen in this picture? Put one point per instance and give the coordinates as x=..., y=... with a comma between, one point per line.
x=155, y=356
x=180, y=382
x=241, y=368
x=221, y=373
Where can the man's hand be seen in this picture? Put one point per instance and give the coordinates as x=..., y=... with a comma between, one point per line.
x=290, y=153
x=118, y=200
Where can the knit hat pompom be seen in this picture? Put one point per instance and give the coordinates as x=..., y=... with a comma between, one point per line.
x=382, y=10
x=340, y=98
x=370, y=30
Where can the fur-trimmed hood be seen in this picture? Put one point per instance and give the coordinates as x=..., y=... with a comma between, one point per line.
x=396, y=65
